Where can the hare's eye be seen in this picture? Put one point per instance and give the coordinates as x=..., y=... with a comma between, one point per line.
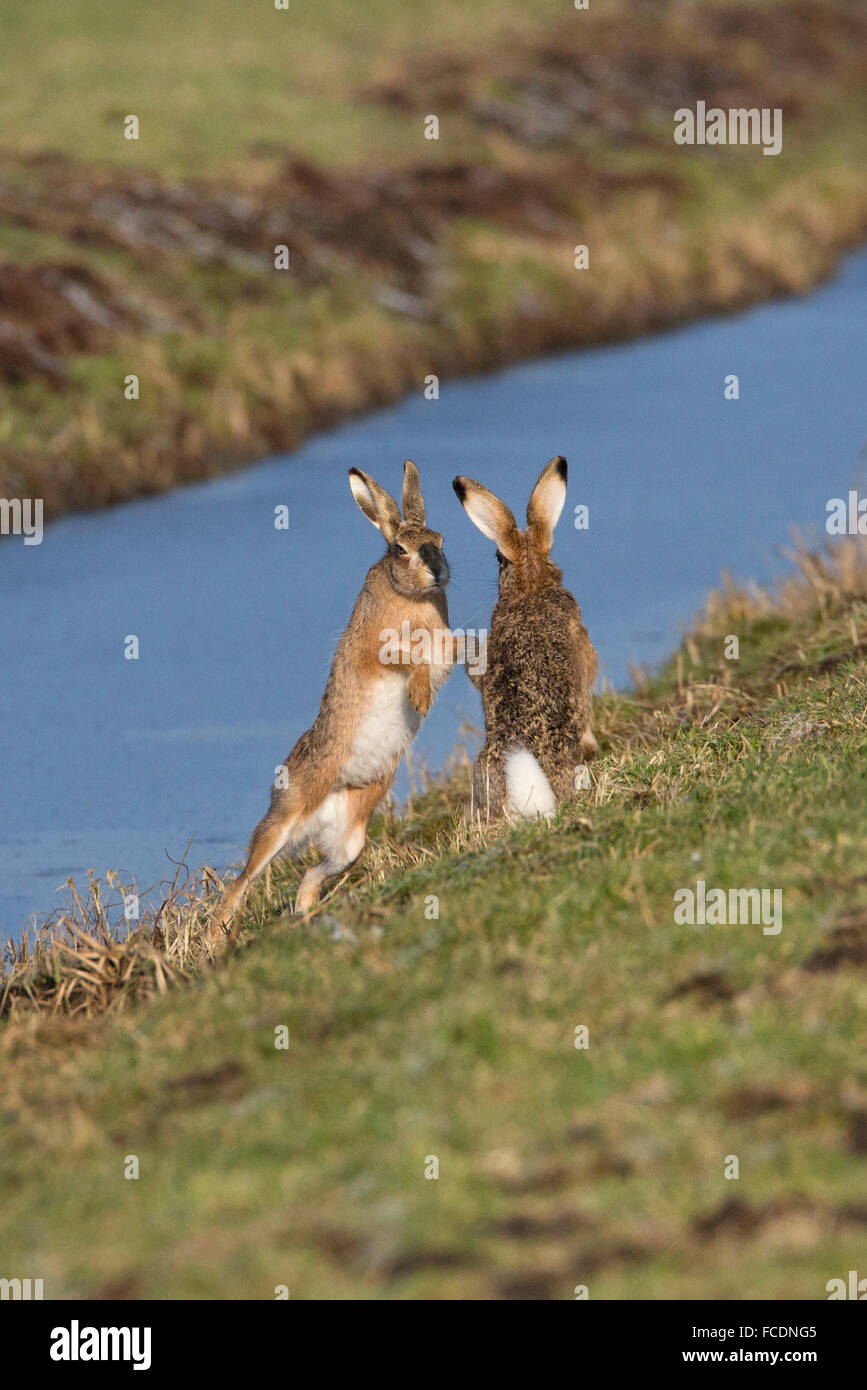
x=400, y=549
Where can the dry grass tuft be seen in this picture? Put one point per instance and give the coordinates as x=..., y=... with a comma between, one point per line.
x=826, y=580
x=88, y=959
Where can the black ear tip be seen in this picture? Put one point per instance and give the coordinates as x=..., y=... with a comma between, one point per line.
x=562, y=466
x=460, y=488
x=354, y=473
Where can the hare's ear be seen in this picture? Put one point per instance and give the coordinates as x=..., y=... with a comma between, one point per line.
x=377, y=504
x=413, y=502
x=492, y=516
x=546, y=503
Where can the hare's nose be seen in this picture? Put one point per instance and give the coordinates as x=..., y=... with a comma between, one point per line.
x=436, y=562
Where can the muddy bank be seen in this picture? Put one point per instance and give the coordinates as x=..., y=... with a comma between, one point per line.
x=52, y=311
x=452, y=262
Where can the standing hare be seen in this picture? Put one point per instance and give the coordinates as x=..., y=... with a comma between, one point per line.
x=540, y=660
x=378, y=691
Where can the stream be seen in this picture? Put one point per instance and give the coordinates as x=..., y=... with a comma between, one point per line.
x=111, y=763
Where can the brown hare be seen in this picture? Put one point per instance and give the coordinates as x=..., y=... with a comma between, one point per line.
x=379, y=689
x=540, y=661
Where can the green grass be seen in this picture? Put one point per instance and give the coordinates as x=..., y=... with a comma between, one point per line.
x=453, y=1037
x=237, y=361
x=209, y=81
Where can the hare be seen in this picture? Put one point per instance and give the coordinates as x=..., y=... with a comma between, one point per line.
x=379, y=689
x=540, y=661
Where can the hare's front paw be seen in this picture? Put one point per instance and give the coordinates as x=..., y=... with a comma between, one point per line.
x=420, y=696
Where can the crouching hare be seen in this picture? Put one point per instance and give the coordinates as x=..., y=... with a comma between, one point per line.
x=540, y=660
x=373, y=705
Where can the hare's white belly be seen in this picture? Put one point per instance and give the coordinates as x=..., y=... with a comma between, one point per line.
x=327, y=826
x=387, y=728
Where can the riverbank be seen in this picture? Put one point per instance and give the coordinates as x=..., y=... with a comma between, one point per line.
x=405, y=258
x=430, y=1011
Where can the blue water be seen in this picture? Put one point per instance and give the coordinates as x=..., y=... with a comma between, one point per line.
x=109, y=763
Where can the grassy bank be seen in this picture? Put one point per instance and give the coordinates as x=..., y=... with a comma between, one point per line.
x=406, y=256
x=412, y=1036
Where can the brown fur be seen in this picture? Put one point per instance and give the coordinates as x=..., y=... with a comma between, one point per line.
x=322, y=770
x=541, y=663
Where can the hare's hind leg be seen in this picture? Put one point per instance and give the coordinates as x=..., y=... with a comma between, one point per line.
x=343, y=835
x=271, y=835
x=489, y=785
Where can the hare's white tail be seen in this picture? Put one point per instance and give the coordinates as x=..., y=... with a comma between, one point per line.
x=529, y=791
